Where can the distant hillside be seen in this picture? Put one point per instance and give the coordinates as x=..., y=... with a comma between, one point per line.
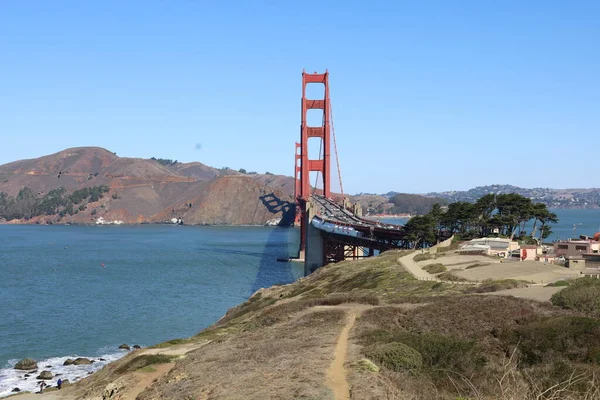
x=81, y=185
x=398, y=203
x=553, y=198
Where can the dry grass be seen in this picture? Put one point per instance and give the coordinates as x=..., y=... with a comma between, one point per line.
x=287, y=360
x=279, y=343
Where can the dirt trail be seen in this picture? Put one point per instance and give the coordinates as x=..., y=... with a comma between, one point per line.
x=145, y=380
x=336, y=375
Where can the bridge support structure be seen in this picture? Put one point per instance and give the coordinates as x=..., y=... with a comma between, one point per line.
x=303, y=165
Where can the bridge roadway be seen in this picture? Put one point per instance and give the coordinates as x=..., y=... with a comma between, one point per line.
x=343, y=226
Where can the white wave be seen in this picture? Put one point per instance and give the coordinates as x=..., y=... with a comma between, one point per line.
x=11, y=378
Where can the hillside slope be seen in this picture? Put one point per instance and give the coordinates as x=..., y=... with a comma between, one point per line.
x=368, y=330
x=134, y=190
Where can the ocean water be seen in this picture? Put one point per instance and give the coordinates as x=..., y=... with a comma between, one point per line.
x=70, y=291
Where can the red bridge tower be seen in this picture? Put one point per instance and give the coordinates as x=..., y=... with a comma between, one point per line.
x=303, y=165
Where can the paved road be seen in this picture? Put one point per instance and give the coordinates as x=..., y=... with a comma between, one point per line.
x=415, y=269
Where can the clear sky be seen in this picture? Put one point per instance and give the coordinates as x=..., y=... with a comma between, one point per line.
x=426, y=95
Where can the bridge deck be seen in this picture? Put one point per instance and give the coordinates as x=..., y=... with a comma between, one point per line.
x=334, y=219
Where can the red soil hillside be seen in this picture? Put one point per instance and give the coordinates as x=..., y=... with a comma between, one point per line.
x=142, y=190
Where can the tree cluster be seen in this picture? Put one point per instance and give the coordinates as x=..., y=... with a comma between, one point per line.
x=164, y=161
x=504, y=215
x=28, y=204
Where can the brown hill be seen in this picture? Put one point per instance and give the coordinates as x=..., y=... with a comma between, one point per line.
x=141, y=190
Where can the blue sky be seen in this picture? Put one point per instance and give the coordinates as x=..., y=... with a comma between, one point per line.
x=427, y=96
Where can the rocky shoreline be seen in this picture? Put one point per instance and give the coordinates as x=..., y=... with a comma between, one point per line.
x=34, y=372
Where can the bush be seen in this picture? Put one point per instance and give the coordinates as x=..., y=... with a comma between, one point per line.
x=582, y=295
x=449, y=276
x=423, y=257
x=543, y=341
x=144, y=361
x=396, y=356
x=558, y=284
x=438, y=352
x=494, y=286
x=435, y=268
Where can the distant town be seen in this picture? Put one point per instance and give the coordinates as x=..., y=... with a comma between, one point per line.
x=553, y=198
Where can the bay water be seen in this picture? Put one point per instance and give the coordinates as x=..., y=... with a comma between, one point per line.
x=81, y=291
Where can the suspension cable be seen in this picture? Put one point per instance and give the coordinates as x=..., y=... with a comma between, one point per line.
x=337, y=159
x=317, y=175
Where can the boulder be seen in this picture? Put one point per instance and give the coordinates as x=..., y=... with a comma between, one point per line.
x=65, y=382
x=101, y=359
x=27, y=375
x=15, y=390
x=26, y=364
x=137, y=346
x=82, y=361
x=45, y=375
x=124, y=347
x=48, y=366
x=68, y=361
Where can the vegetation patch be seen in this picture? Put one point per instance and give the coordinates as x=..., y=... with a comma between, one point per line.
x=170, y=343
x=437, y=352
x=550, y=339
x=367, y=365
x=396, y=356
x=559, y=284
x=27, y=204
x=143, y=361
x=435, y=268
x=497, y=285
x=423, y=257
x=581, y=295
x=449, y=276
x=477, y=265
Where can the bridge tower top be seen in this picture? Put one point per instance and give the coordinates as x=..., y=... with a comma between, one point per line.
x=304, y=165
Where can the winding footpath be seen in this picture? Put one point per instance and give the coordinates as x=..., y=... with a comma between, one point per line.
x=336, y=375
x=415, y=269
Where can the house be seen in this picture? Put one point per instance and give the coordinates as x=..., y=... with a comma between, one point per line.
x=490, y=246
x=529, y=252
x=575, y=247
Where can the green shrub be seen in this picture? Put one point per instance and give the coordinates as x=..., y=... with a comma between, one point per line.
x=581, y=295
x=396, y=356
x=494, y=286
x=449, y=276
x=438, y=352
x=477, y=265
x=144, y=361
x=542, y=341
x=435, y=268
x=423, y=257
x=558, y=284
